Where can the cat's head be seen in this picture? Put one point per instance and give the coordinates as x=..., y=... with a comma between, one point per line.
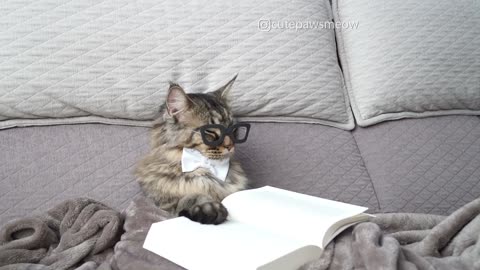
x=183, y=114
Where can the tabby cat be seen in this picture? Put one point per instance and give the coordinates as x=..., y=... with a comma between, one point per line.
x=197, y=194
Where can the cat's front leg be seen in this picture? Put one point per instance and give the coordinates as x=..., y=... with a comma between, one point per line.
x=203, y=209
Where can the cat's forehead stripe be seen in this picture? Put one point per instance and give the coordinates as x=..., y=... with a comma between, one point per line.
x=217, y=117
x=228, y=116
x=214, y=109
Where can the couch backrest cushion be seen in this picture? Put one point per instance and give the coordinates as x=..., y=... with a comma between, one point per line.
x=93, y=61
x=410, y=58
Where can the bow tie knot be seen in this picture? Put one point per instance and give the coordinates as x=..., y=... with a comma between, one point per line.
x=192, y=159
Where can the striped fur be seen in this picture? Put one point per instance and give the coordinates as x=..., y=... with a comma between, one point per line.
x=196, y=194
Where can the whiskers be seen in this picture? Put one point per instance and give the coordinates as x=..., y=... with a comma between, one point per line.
x=216, y=154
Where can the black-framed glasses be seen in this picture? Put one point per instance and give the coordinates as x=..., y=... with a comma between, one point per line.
x=213, y=135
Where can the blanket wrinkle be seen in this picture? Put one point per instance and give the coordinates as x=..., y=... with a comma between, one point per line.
x=444, y=232
x=392, y=241
x=129, y=252
x=396, y=241
x=75, y=234
x=402, y=241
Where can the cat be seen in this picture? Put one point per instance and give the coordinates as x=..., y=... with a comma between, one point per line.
x=196, y=195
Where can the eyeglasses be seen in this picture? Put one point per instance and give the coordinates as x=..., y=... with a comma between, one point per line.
x=213, y=135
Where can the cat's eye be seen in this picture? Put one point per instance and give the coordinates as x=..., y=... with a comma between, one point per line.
x=213, y=135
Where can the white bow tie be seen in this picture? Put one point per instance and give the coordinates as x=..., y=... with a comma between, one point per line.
x=192, y=159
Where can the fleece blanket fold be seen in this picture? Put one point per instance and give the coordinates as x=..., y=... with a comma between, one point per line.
x=75, y=234
x=408, y=242
x=78, y=235
x=129, y=253
x=396, y=241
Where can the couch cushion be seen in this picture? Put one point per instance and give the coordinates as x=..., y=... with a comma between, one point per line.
x=311, y=159
x=85, y=61
x=410, y=58
x=41, y=166
x=429, y=165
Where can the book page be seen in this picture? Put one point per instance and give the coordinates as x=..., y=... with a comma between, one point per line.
x=231, y=245
x=289, y=214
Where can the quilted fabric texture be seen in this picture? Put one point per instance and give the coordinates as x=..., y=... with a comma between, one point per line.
x=78, y=59
x=41, y=166
x=315, y=160
x=429, y=165
x=410, y=58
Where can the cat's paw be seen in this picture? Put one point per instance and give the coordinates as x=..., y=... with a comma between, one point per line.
x=206, y=213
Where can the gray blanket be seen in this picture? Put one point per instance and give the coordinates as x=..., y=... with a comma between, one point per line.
x=76, y=234
x=408, y=242
x=389, y=241
x=129, y=254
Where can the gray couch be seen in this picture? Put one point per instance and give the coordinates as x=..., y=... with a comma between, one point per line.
x=59, y=68
x=429, y=165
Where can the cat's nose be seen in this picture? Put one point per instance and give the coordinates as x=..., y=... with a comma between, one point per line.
x=228, y=143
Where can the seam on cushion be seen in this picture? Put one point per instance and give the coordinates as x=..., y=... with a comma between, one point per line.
x=6, y=124
x=343, y=77
x=344, y=63
x=346, y=97
x=395, y=116
x=368, y=172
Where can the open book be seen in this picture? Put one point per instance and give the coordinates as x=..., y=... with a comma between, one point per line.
x=267, y=228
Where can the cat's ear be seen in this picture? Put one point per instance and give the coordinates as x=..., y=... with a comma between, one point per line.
x=223, y=91
x=177, y=100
